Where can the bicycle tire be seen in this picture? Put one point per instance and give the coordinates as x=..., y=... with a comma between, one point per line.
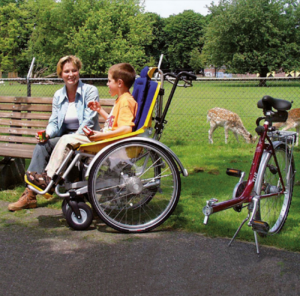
x=134, y=187
x=274, y=210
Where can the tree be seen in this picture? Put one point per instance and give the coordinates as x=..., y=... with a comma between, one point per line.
x=101, y=33
x=183, y=34
x=253, y=36
x=116, y=32
x=15, y=30
x=158, y=44
x=54, y=26
x=196, y=60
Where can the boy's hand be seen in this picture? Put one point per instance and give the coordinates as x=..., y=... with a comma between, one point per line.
x=95, y=106
x=97, y=136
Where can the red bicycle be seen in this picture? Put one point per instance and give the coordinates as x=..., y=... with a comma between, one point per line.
x=268, y=191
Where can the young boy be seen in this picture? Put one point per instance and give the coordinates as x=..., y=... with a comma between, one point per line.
x=120, y=121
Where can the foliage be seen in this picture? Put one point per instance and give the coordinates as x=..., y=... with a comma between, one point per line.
x=183, y=34
x=101, y=33
x=247, y=36
x=196, y=61
x=114, y=32
x=158, y=44
x=253, y=36
x=15, y=29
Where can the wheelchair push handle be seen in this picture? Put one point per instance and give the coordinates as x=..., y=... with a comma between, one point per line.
x=183, y=73
x=184, y=76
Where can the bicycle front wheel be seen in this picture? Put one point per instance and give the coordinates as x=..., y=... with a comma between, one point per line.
x=274, y=210
x=135, y=186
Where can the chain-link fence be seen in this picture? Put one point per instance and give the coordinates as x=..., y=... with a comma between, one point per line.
x=187, y=116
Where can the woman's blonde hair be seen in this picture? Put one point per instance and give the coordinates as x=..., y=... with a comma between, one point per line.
x=67, y=59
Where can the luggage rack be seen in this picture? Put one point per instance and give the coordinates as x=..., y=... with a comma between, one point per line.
x=287, y=137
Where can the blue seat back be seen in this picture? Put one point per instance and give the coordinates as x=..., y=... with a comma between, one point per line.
x=151, y=89
x=143, y=92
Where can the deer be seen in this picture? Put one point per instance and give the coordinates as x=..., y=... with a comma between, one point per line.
x=230, y=121
x=293, y=121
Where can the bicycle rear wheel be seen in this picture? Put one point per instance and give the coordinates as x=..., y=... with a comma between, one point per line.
x=274, y=210
x=134, y=187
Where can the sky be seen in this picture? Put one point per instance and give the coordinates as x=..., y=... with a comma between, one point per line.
x=165, y=8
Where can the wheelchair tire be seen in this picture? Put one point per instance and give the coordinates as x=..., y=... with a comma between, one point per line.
x=86, y=217
x=134, y=186
x=65, y=206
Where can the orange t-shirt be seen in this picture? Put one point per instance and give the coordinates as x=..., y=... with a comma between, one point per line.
x=123, y=113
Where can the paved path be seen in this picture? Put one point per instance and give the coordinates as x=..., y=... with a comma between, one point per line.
x=40, y=255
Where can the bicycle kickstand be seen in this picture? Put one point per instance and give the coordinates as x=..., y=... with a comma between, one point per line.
x=238, y=230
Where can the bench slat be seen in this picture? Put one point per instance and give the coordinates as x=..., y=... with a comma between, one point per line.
x=45, y=108
x=26, y=100
x=107, y=102
x=16, y=150
x=20, y=115
x=23, y=123
x=16, y=139
x=18, y=131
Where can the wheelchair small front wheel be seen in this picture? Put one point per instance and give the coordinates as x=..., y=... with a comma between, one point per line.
x=65, y=206
x=134, y=186
x=86, y=217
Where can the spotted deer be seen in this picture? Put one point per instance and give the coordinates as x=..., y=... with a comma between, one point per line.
x=230, y=121
x=293, y=121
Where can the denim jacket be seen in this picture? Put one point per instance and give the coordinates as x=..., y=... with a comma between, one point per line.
x=85, y=94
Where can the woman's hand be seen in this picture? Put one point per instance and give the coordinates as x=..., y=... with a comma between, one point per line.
x=95, y=106
x=41, y=141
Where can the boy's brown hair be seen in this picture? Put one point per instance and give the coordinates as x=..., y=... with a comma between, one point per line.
x=123, y=71
x=67, y=59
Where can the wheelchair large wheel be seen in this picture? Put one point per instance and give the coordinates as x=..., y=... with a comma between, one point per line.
x=134, y=187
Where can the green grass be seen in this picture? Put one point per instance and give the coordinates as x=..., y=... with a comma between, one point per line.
x=207, y=179
x=186, y=134
x=207, y=165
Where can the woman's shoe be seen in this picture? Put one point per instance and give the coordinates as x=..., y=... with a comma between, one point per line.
x=26, y=201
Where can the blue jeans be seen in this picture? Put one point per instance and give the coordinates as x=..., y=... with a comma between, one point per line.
x=41, y=155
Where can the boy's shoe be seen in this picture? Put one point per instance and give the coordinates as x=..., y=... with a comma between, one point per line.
x=39, y=181
x=26, y=201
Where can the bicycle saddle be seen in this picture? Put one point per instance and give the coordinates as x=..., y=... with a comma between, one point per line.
x=268, y=102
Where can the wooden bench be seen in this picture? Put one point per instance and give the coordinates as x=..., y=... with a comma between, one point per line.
x=20, y=119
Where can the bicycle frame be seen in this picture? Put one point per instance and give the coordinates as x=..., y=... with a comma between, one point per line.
x=247, y=196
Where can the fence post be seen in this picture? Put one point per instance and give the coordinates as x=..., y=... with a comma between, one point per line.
x=28, y=78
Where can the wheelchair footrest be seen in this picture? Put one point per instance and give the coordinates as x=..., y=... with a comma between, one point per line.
x=260, y=226
x=234, y=172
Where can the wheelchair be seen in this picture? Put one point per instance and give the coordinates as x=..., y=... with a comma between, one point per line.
x=131, y=181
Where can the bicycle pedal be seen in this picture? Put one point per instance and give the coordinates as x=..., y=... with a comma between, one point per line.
x=234, y=172
x=260, y=226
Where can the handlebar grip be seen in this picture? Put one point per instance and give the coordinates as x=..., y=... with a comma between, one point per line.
x=192, y=76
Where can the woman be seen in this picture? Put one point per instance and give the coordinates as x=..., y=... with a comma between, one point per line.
x=69, y=115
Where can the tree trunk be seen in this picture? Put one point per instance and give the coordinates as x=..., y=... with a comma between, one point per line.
x=263, y=73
